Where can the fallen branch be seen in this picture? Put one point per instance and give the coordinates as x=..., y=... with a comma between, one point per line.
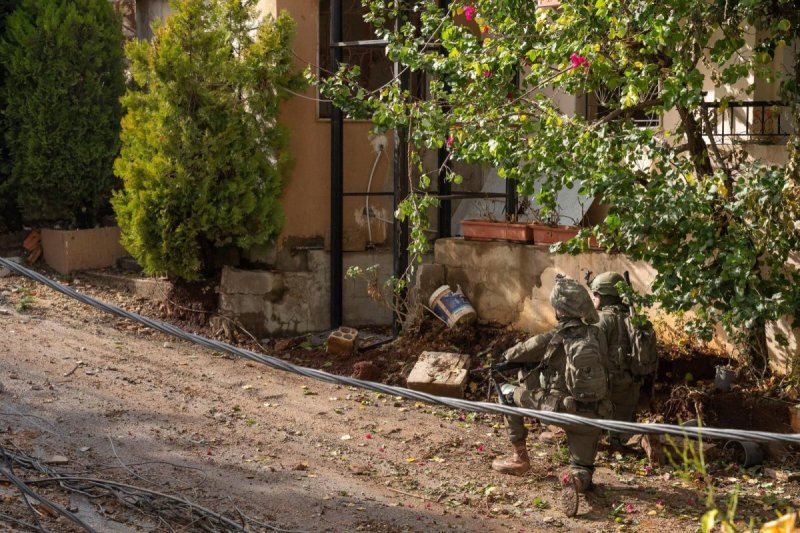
x=411, y=495
x=164, y=506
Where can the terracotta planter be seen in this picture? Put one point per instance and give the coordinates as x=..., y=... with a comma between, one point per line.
x=552, y=234
x=69, y=250
x=488, y=230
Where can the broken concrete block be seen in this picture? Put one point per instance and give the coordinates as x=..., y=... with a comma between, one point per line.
x=440, y=373
x=343, y=341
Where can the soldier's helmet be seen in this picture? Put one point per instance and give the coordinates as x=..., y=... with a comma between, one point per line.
x=606, y=283
x=571, y=300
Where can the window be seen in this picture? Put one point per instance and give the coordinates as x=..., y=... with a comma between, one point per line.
x=603, y=101
x=376, y=69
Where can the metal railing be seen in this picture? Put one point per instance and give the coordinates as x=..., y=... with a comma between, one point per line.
x=766, y=121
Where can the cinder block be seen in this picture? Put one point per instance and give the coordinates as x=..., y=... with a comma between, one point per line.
x=343, y=341
x=440, y=373
x=268, y=283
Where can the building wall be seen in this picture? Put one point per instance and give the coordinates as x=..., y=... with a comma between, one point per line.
x=307, y=194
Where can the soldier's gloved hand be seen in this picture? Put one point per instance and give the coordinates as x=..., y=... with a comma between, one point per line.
x=508, y=392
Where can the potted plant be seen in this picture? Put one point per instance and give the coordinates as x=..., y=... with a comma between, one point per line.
x=490, y=229
x=63, y=121
x=546, y=229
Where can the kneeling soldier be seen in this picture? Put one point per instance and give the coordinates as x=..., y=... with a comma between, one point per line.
x=572, y=365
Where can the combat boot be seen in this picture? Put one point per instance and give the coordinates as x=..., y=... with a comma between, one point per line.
x=572, y=484
x=517, y=463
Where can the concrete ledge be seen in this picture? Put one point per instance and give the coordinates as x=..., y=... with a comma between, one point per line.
x=510, y=283
x=150, y=288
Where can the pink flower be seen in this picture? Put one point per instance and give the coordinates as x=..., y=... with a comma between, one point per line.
x=449, y=141
x=381, y=449
x=368, y=436
x=481, y=448
x=487, y=73
x=629, y=509
x=469, y=13
x=578, y=61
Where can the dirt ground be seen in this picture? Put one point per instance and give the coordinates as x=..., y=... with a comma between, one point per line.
x=123, y=403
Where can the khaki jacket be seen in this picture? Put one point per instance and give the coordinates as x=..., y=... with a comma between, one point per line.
x=619, y=345
x=533, y=350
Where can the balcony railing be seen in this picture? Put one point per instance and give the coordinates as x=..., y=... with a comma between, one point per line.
x=766, y=121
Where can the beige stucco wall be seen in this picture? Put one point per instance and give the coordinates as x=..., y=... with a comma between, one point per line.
x=306, y=199
x=510, y=283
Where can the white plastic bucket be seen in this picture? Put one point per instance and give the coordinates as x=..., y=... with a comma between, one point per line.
x=452, y=307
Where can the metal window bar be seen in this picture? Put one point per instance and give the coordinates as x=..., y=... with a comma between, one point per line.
x=747, y=121
x=400, y=188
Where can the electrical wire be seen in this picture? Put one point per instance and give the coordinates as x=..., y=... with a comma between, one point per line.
x=548, y=417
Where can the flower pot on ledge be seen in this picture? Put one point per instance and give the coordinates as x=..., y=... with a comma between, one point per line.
x=489, y=230
x=543, y=234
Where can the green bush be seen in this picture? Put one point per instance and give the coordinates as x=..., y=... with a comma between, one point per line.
x=65, y=75
x=203, y=157
x=9, y=214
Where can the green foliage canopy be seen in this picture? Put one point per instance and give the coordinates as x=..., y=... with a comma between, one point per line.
x=719, y=230
x=203, y=156
x=64, y=74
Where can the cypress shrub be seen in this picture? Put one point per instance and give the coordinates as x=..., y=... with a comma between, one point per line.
x=9, y=214
x=65, y=74
x=203, y=156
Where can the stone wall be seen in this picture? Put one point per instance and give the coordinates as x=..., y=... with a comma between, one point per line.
x=270, y=302
x=292, y=296
x=510, y=283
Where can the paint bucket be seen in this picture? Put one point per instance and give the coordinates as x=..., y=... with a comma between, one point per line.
x=451, y=307
x=724, y=378
x=745, y=452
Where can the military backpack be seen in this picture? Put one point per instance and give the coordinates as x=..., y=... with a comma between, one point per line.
x=585, y=375
x=644, y=349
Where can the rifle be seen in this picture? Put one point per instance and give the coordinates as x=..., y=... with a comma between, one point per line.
x=504, y=366
x=501, y=367
x=631, y=309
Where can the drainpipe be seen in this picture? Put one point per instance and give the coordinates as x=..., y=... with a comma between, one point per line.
x=337, y=176
x=444, y=186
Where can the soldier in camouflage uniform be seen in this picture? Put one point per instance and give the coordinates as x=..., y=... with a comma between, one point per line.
x=625, y=387
x=574, y=310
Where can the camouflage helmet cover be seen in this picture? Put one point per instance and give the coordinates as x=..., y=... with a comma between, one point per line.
x=606, y=283
x=571, y=300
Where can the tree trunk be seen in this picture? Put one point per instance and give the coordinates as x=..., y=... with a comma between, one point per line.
x=757, y=348
x=695, y=143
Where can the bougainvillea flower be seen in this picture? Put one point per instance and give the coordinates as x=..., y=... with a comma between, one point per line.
x=469, y=12
x=487, y=73
x=449, y=141
x=578, y=61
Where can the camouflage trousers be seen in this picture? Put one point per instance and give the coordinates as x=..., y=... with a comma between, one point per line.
x=581, y=440
x=625, y=397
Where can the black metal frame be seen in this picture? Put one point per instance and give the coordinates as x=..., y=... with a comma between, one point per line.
x=749, y=118
x=401, y=183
